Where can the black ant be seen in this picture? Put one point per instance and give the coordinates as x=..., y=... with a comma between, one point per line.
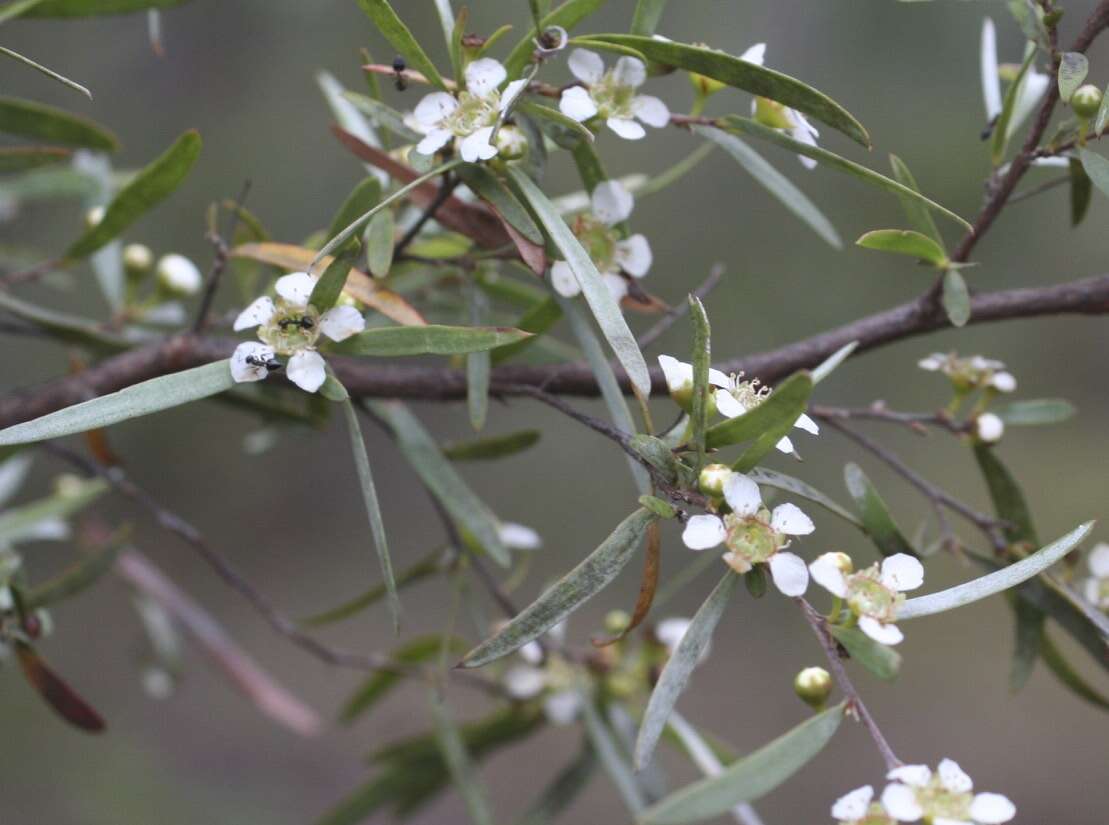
x=304, y=322
x=398, y=72
x=270, y=364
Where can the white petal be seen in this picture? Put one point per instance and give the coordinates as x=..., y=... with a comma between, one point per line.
x=13, y=473
x=295, y=288
x=719, y=379
x=558, y=632
x=306, y=370
x=576, y=103
x=339, y=323
x=953, y=777
x=435, y=140
x=807, y=135
x=702, y=532
x=884, y=634
x=477, y=147
x=784, y=445
x=586, y=66
x=627, y=129
x=524, y=682
x=532, y=653
x=807, y=424
x=756, y=54
x=432, y=108
x=562, y=707
x=827, y=574
x=853, y=805
x=790, y=574
x=1032, y=90
x=512, y=91
x=1099, y=560
x=989, y=427
x=651, y=111
x=617, y=286
x=259, y=312
x=933, y=362
x=519, y=536
x=563, y=280
x=902, y=572
x=991, y=83
x=241, y=371
x=900, y=803
x=915, y=775
x=678, y=373
x=630, y=71
x=789, y=519
x=1003, y=382
x=943, y=820
x=670, y=632
x=611, y=202
x=742, y=495
x=484, y=75
x=728, y=405
x=634, y=255
x=992, y=809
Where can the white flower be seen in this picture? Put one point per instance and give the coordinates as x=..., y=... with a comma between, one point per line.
x=611, y=95
x=989, y=427
x=873, y=594
x=552, y=678
x=754, y=535
x=943, y=798
x=179, y=275
x=975, y=372
x=469, y=118
x=774, y=114
x=858, y=808
x=290, y=326
x=611, y=204
x=736, y=397
x=1097, y=585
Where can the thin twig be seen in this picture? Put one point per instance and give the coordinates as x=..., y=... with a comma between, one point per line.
x=677, y=312
x=219, y=261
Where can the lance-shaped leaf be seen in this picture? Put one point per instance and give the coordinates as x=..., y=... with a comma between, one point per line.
x=22, y=158
x=797, y=487
x=1097, y=168
x=152, y=185
x=1101, y=119
x=364, y=196
x=996, y=582
x=701, y=359
x=742, y=74
x=905, y=242
x=373, y=508
x=399, y=36
x=478, y=366
x=604, y=307
x=567, y=15
x=492, y=189
x=561, y=123
x=774, y=182
x=1081, y=191
x=36, y=120
x=444, y=482
x=829, y=364
x=919, y=215
x=380, y=242
x=381, y=683
x=459, y=764
x=747, y=126
x=90, y=8
x=16, y=8
x=1057, y=662
x=750, y=777
x=1037, y=411
x=647, y=16
x=62, y=326
x=53, y=75
x=24, y=522
x=1073, y=68
x=956, y=298
x=540, y=317
x=330, y=285
x=56, y=693
x=612, y=760
x=679, y=667
x=881, y=660
x=876, y=518
x=433, y=339
x=384, y=117
x=586, y=580
x=140, y=399
x=785, y=404
x=497, y=446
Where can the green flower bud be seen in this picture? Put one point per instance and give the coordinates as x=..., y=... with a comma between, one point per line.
x=137, y=260
x=512, y=143
x=813, y=686
x=772, y=113
x=617, y=621
x=1086, y=100
x=704, y=86
x=713, y=478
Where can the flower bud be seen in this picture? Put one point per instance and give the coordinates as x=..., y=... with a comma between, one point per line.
x=179, y=275
x=1086, y=100
x=713, y=478
x=989, y=428
x=512, y=143
x=137, y=259
x=704, y=86
x=94, y=216
x=813, y=686
x=772, y=113
x=617, y=621
x=69, y=486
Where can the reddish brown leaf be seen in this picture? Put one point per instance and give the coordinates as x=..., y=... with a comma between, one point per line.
x=60, y=696
x=647, y=586
x=533, y=254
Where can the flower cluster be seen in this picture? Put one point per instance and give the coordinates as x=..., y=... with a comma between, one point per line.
x=616, y=258
x=973, y=373
x=611, y=95
x=291, y=326
x=872, y=595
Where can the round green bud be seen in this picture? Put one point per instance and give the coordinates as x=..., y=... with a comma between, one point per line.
x=772, y=113
x=512, y=143
x=1086, y=100
x=713, y=478
x=813, y=686
x=617, y=621
x=94, y=216
x=137, y=259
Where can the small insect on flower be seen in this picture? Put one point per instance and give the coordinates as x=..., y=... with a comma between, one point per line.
x=398, y=73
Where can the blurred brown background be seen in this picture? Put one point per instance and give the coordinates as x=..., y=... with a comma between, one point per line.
x=243, y=74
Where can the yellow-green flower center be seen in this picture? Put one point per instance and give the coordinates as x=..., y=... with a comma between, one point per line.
x=867, y=596
x=472, y=113
x=612, y=98
x=598, y=240
x=291, y=329
x=751, y=538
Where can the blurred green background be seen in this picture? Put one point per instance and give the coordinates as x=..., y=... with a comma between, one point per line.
x=243, y=74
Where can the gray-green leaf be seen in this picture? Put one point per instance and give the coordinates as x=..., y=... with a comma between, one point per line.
x=956, y=298
x=37, y=120
x=876, y=518
x=432, y=339
x=905, y=242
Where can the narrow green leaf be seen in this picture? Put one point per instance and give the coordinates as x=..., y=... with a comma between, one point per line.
x=567, y=15
x=425, y=567
x=1054, y=659
x=881, y=660
x=701, y=359
x=590, y=576
x=478, y=366
x=1037, y=411
x=538, y=319
x=148, y=188
x=956, y=298
x=905, y=242
x=454, y=37
x=380, y=240
x=919, y=216
x=780, y=481
x=747, y=126
x=444, y=482
x=829, y=364
x=330, y=285
x=1028, y=641
x=497, y=446
x=786, y=403
x=742, y=74
x=679, y=667
x=140, y=399
x=379, y=685
x=1008, y=499
x=1073, y=68
x=492, y=189
x=459, y=764
x=604, y=307
x=69, y=328
x=21, y=523
x=1030, y=17
x=611, y=759
x=364, y=197
x=446, y=22
x=77, y=578
x=90, y=8
x=1001, y=128
x=17, y=8
x=53, y=75
x=876, y=518
x=37, y=120
x=1081, y=191
x=1097, y=168
x=646, y=17
x=750, y=777
x=562, y=790
x=383, y=116
x=401, y=39
x=373, y=508
x=22, y=158
x=996, y=582
x=774, y=182
x=433, y=339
